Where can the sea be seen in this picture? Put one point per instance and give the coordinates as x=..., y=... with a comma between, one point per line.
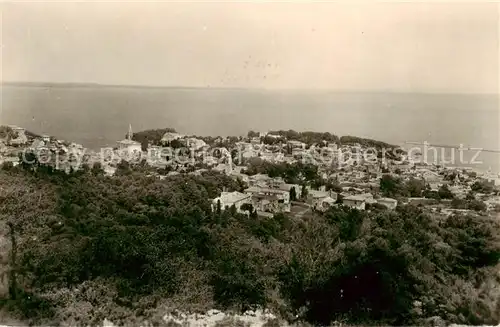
x=97, y=116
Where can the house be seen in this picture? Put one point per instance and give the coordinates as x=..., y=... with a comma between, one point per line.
x=269, y=198
x=430, y=176
x=129, y=146
x=20, y=138
x=169, y=137
x=254, y=179
x=228, y=199
x=37, y=144
x=434, y=186
x=268, y=203
x=493, y=180
x=296, y=144
x=272, y=157
x=194, y=143
x=317, y=194
x=223, y=168
x=45, y=138
x=355, y=201
x=288, y=187
x=248, y=153
x=255, y=140
x=321, y=200
x=243, y=146
x=239, y=175
x=13, y=160
x=283, y=196
x=210, y=160
x=388, y=202
x=324, y=204
x=492, y=203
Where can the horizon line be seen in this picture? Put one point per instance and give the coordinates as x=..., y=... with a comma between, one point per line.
x=208, y=87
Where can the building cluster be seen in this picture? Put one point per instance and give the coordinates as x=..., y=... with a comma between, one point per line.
x=357, y=178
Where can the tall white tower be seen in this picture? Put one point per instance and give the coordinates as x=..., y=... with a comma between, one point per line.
x=129, y=134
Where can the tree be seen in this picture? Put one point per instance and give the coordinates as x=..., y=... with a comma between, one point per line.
x=13, y=288
x=304, y=192
x=134, y=238
x=123, y=168
x=97, y=169
x=247, y=207
x=470, y=196
x=482, y=187
x=476, y=205
x=414, y=187
x=28, y=160
x=293, y=194
x=390, y=186
x=252, y=134
x=152, y=136
x=218, y=208
x=444, y=192
x=7, y=165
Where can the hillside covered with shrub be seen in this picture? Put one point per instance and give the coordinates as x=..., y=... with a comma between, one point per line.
x=89, y=247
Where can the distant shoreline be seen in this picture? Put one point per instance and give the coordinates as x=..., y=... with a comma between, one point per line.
x=178, y=87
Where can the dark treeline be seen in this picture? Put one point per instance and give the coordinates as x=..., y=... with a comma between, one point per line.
x=369, y=143
x=151, y=136
x=91, y=247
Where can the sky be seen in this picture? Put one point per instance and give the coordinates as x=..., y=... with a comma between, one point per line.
x=405, y=47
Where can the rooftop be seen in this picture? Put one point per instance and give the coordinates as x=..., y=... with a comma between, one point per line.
x=255, y=189
x=318, y=194
x=387, y=200
x=355, y=198
x=128, y=142
x=231, y=197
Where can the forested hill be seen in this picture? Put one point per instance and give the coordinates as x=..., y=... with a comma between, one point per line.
x=89, y=247
x=154, y=136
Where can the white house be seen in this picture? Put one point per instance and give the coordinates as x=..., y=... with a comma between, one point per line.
x=257, y=178
x=355, y=201
x=129, y=145
x=21, y=136
x=228, y=199
x=194, y=143
x=315, y=194
x=388, y=202
x=324, y=204
x=169, y=137
x=46, y=138
x=492, y=179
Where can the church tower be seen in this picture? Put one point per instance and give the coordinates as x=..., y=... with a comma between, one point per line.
x=129, y=134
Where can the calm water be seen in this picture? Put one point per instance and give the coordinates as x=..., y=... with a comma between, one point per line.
x=99, y=116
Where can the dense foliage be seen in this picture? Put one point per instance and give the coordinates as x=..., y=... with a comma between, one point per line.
x=90, y=246
x=307, y=137
x=368, y=143
x=151, y=136
x=292, y=173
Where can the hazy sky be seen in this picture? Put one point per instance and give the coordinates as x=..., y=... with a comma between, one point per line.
x=397, y=47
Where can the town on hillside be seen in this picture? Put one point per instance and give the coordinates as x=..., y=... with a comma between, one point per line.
x=280, y=171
